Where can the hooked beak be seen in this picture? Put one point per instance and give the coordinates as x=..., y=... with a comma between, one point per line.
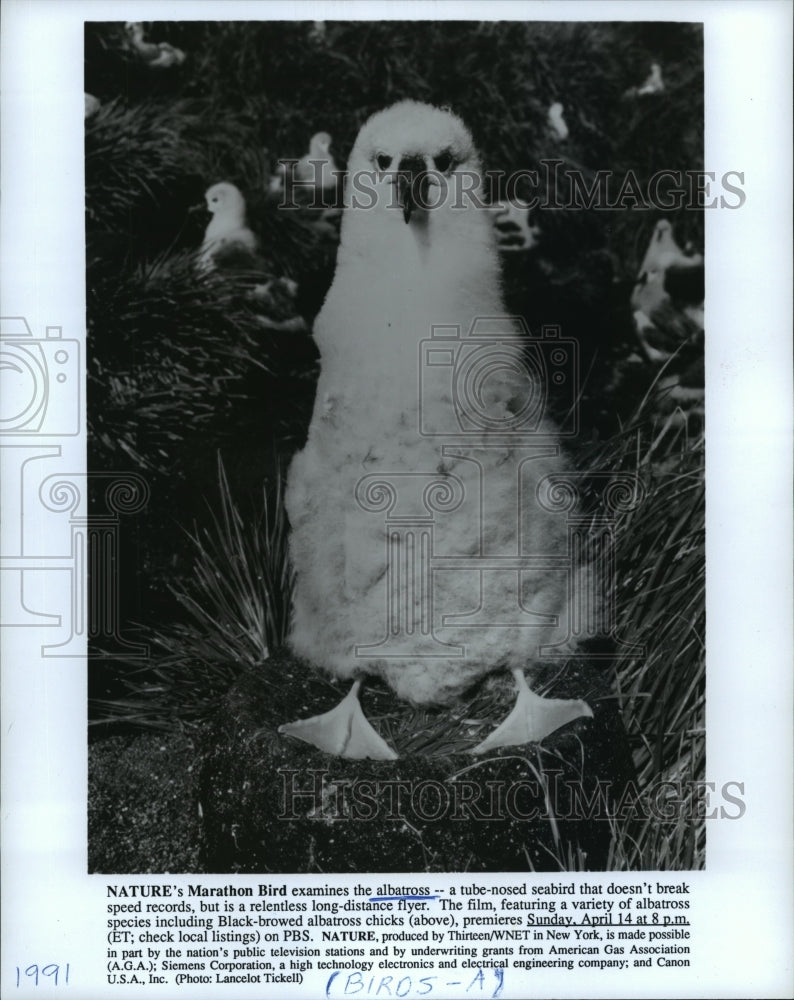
x=412, y=185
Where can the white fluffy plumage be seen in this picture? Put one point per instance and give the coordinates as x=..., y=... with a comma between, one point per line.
x=227, y=228
x=158, y=55
x=514, y=232
x=557, y=122
x=317, y=167
x=399, y=271
x=92, y=105
x=654, y=83
x=663, y=253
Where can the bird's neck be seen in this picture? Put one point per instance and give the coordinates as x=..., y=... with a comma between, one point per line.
x=436, y=247
x=388, y=293
x=228, y=222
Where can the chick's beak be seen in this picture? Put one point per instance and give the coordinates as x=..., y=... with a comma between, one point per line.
x=412, y=185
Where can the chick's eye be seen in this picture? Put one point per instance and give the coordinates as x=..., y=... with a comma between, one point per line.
x=443, y=161
x=383, y=161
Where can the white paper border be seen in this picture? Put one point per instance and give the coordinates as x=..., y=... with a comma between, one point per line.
x=744, y=924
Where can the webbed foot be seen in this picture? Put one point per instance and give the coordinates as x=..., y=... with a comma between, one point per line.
x=344, y=731
x=533, y=718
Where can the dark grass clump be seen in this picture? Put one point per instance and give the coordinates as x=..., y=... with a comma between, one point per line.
x=134, y=156
x=175, y=356
x=178, y=352
x=660, y=602
x=236, y=607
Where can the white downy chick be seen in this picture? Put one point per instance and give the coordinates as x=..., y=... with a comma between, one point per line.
x=227, y=228
x=158, y=55
x=650, y=292
x=275, y=184
x=654, y=84
x=663, y=253
x=415, y=252
x=317, y=167
x=92, y=105
x=513, y=230
x=556, y=121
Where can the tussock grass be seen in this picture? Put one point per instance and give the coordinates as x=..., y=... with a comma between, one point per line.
x=236, y=609
x=171, y=354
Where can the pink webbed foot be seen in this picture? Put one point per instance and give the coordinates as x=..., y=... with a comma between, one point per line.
x=533, y=718
x=343, y=732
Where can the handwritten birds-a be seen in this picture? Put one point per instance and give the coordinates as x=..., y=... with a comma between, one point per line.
x=411, y=258
x=158, y=55
x=227, y=230
x=557, y=122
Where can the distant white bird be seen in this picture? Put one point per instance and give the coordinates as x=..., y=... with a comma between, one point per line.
x=275, y=184
x=513, y=229
x=654, y=84
x=663, y=253
x=158, y=55
x=644, y=328
x=317, y=167
x=227, y=229
x=415, y=252
x=92, y=105
x=317, y=31
x=556, y=121
x=275, y=292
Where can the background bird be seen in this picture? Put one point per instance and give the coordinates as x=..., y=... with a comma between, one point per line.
x=276, y=182
x=667, y=303
x=513, y=229
x=92, y=105
x=410, y=257
x=158, y=55
x=653, y=83
x=666, y=273
x=317, y=171
x=227, y=233
x=317, y=32
x=557, y=122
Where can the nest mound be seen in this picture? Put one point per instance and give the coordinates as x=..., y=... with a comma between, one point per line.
x=273, y=804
